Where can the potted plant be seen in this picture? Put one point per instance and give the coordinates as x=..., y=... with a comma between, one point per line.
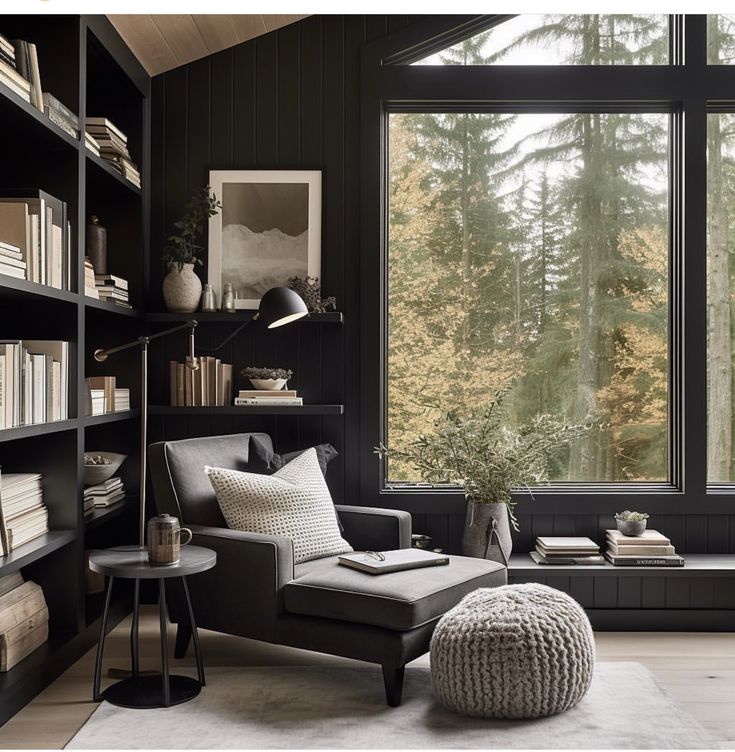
x=267, y=378
x=631, y=523
x=478, y=452
x=182, y=288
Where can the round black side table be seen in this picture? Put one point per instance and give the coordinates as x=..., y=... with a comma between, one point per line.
x=149, y=691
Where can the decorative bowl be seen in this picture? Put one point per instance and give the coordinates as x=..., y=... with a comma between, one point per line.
x=631, y=528
x=269, y=384
x=94, y=474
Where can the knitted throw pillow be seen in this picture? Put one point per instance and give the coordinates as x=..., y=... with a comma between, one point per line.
x=294, y=502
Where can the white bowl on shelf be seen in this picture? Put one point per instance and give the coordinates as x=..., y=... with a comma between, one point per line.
x=270, y=385
x=94, y=474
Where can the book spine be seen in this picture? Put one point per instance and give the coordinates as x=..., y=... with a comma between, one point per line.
x=645, y=561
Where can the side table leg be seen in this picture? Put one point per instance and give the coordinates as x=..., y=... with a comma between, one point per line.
x=164, y=642
x=96, y=694
x=134, y=630
x=194, y=634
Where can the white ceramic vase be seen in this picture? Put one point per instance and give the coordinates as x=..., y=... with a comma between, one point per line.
x=182, y=289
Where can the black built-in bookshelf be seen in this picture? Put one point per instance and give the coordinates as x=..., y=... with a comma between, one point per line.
x=85, y=64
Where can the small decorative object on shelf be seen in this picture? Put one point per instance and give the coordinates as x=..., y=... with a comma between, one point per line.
x=271, y=379
x=164, y=540
x=631, y=523
x=209, y=300
x=101, y=466
x=228, y=299
x=182, y=288
x=419, y=540
x=97, y=245
x=310, y=290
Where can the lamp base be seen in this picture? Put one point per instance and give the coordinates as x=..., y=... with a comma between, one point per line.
x=147, y=691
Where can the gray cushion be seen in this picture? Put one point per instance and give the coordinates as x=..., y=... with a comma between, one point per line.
x=398, y=600
x=186, y=460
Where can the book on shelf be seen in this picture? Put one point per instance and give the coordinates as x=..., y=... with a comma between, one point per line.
x=7, y=50
x=91, y=143
x=105, y=494
x=23, y=620
x=122, y=400
x=34, y=382
x=566, y=550
x=650, y=549
x=271, y=402
x=210, y=385
x=39, y=226
x=26, y=61
x=23, y=515
x=90, y=287
x=112, y=146
x=100, y=394
x=58, y=119
x=15, y=81
x=266, y=393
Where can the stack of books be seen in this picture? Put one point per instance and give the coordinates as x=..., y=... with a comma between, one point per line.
x=112, y=288
x=23, y=619
x=11, y=261
x=90, y=284
x=104, y=396
x=651, y=549
x=103, y=495
x=210, y=385
x=34, y=378
x=268, y=397
x=113, y=147
x=566, y=551
x=10, y=75
x=23, y=515
x=90, y=142
x=38, y=227
x=61, y=115
x=26, y=63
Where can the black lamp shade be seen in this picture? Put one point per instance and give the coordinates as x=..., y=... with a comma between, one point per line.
x=281, y=305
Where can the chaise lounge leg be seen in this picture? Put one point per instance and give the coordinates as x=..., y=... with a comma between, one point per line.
x=393, y=680
x=183, y=636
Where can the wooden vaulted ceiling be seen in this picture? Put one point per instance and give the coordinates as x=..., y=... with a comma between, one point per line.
x=162, y=42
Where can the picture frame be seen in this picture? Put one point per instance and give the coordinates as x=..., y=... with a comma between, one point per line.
x=269, y=230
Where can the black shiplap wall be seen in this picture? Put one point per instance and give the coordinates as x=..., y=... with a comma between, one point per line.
x=291, y=99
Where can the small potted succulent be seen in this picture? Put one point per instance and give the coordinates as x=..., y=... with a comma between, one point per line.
x=631, y=523
x=268, y=378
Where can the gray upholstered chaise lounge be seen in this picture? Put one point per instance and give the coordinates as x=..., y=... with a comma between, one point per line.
x=256, y=591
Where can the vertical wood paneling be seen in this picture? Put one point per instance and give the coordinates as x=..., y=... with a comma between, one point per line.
x=653, y=592
x=221, y=109
x=266, y=101
x=198, y=133
x=582, y=589
x=629, y=592
x=717, y=534
x=289, y=124
x=243, y=106
x=606, y=592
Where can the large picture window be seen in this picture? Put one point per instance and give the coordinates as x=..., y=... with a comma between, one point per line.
x=532, y=251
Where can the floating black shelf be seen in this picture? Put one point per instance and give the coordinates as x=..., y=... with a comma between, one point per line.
x=330, y=317
x=249, y=410
x=95, y=420
x=34, y=550
x=37, y=429
x=34, y=122
x=101, y=516
x=102, y=305
x=101, y=164
x=22, y=289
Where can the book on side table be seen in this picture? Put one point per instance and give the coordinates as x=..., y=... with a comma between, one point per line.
x=392, y=561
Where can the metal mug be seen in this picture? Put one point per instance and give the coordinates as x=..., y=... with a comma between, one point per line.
x=164, y=540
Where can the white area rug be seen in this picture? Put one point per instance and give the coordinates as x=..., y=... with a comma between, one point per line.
x=308, y=707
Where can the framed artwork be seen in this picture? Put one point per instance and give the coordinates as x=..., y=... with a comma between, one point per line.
x=269, y=229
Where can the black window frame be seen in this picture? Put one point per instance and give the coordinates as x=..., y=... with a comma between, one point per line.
x=687, y=88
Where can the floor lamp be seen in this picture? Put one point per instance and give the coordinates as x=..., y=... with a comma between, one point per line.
x=279, y=306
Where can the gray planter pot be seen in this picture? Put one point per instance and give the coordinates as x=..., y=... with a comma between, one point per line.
x=487, y=532
x=182, y=289
x=631, y=528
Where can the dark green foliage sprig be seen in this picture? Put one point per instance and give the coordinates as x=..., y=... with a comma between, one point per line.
x=184, y=247
x=478, y=452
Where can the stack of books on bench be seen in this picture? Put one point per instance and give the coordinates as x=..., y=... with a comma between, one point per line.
x=650, y=549
x=103, y=495
x=270, y=397
x=566, y=551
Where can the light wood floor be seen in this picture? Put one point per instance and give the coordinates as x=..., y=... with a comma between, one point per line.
x=699, y=669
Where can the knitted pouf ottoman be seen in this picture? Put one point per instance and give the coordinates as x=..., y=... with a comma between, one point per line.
x=517, y=651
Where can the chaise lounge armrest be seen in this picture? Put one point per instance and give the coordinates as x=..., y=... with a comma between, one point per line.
x=374, y=529
x=245, y=588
